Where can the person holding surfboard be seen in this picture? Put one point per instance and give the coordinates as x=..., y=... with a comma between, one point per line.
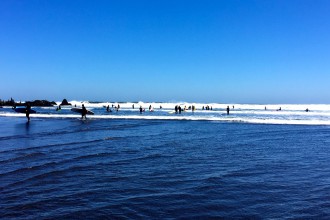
x=27, y=111
x=83, y=112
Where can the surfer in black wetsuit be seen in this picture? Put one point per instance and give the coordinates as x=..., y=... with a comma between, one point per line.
x=27, y=111
x=227, y=110
x=141, y=109
x=83, y=112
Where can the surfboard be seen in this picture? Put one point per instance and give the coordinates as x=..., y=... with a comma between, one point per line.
x=23, y=110
x=79, y=110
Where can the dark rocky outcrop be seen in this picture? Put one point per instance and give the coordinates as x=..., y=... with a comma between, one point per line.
x=10, y=102
x=40, y=103
x=65, y=102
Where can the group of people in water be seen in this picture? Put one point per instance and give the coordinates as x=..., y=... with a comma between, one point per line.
x=177, y=109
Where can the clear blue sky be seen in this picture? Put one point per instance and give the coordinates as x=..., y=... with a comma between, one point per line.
x=223, y=51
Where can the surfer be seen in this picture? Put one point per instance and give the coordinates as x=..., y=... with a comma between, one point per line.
x=27, y=111
x=227, y=110
x=307, y=110
x=83, y=112
x=141, y=109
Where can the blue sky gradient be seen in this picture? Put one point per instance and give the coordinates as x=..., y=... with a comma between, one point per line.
x=196, y=51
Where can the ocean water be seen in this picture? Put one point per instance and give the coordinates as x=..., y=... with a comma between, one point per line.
x=159, y=165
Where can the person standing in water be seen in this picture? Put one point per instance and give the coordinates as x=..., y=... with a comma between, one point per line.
x=83, y=112
x=140, y=109
x=227, y=110
x=27, y=111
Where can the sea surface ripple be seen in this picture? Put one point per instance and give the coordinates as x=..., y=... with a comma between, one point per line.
x=160, y=169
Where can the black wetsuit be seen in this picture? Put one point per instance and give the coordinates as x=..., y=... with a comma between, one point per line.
x=27, y=112
x=84, y=112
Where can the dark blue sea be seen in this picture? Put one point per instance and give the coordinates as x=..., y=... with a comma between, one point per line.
x=66, y=168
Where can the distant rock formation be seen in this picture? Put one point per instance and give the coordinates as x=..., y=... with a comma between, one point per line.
x=41, y=103
x=10, y=102
x=65, y=102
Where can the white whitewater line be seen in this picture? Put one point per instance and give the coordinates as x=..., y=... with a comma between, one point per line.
x=181, y=117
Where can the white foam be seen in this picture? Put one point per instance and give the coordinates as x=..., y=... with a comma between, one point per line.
x=181, y=117
x=246, y=113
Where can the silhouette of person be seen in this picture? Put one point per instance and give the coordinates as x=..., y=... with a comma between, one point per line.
x=227, y=110
x=27, y=111
x=83, y=112
x=140, y=109
x=307, y=110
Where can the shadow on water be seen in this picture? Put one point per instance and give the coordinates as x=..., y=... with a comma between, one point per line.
x=27, y=127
